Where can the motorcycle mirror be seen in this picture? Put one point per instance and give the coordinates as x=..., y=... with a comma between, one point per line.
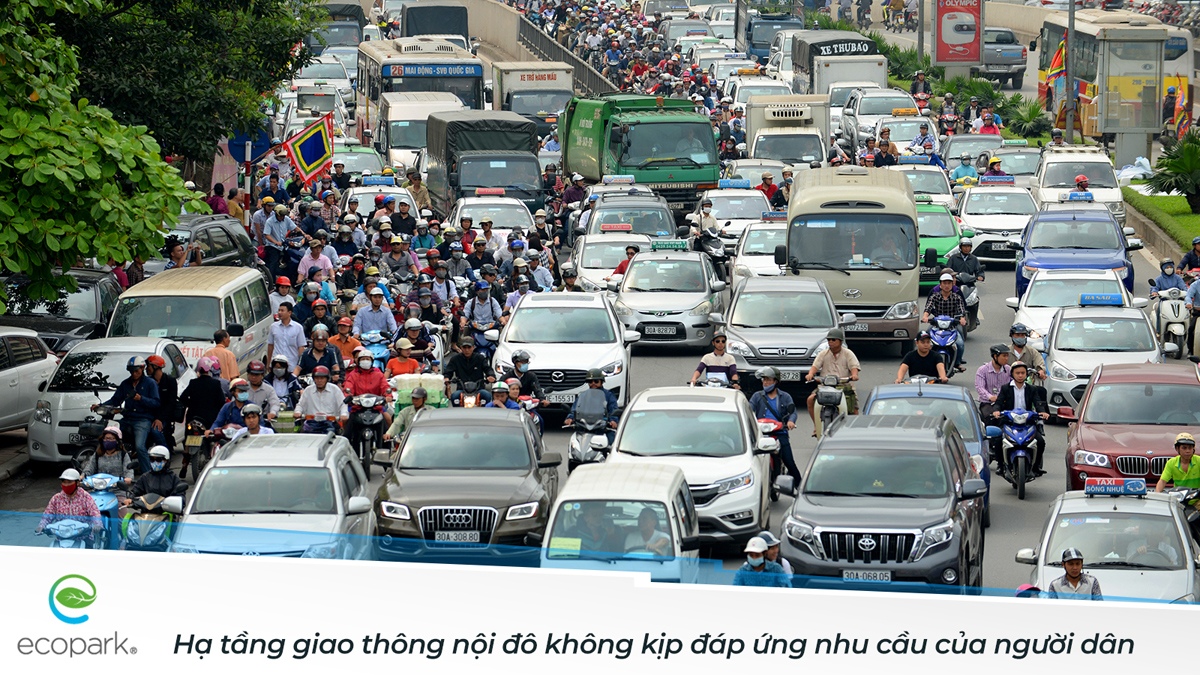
x=1194, y=359
x=1139, y=303
x=173, y=505
x=942, y=138
x=931, y=257
x=1151, y=282
x=132, y=465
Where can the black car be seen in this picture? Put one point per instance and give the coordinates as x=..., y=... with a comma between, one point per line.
x=222, y=239
x=888, y=498
x=74, y=317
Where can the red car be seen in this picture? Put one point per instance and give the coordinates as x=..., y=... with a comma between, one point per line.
x=1128, y=420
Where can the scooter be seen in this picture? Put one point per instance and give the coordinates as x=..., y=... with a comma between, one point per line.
x=589, y=442
x=774, y=429
x=831, y=401
x=966, y=283
x=101, y=486
x=910, y=21
x=368, y=426
x=483, y=345
x=70, y=533
x=530, y=405
x=922, y=102
x=376, y=342
x=710, y=244
x=948, y=123
x=195, y=446
x=1170, y=318
x=1188, y=497
x=471, y=396
x=944, y=331
x=147, y=527
x=1019, y=446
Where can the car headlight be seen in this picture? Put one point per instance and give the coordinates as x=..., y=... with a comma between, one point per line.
x=821, y=346
x=743, y=271
x=1028, y=272
x=183, y=548
x=502, y=367
x=735, y=484
x=612, y=369
x=394, y=511
x=739, y=349
x=1121, y=271
x=621, y=310
x=1058, y=372
x=588, y=286
x=522, y=511
x=902, y=310
x=701, y=309
x=329, y=550
x=1090, y=458
x=42, y=412
x=67, y=346
x=801, y=534
x=1116, y=207
x=866, y=129
x=933, y=537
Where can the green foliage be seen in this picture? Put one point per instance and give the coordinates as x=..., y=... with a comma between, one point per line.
x=1178, y=170
x=1171, y=213
x=902, y=62
x=76, y=183
x=1030, y=119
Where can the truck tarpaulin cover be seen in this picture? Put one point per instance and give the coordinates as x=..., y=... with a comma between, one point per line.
x=958, y=32
x=346, y=11
x=432, y=17
x=812, y=43
x=467, y=130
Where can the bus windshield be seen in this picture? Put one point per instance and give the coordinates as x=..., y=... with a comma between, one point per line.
x=848, y=241
x=469, y=90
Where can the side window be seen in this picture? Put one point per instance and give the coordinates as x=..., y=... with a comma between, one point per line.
x=958, y=459
x=347, y=479
x=25, y=350
x=221, y=243
x=259, y=303
x=179, y=364
x=690, y=510
x=230, y=314
x=685, y=518
x=241, y=299
x=109, y=292
x=5, y=359
x=200, y=237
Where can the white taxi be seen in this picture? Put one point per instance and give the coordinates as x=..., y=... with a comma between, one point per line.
x=998, y=212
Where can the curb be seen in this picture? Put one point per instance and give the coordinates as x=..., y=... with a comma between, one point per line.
x=1152, y=235
x=14, y=466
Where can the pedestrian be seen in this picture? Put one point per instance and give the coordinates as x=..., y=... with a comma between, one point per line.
x=220, y=352
x=216, y=201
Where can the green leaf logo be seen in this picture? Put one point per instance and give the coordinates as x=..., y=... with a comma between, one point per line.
x=75, y=598
x=80, y=593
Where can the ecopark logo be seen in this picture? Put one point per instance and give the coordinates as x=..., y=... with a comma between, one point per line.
x=72, y=592
x=69, y=595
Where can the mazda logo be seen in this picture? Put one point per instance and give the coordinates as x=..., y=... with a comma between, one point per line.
x=558, y=376
x=867, y=544
x=457, y=519
x=852, y=293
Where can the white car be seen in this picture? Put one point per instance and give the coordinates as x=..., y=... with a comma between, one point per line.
x=596, y=256
x=741, y=88
x=25, y=366
x=1051, y=289
x=713, y=437
x=735, y=208
x=755, y=252
x=997, y=215
x=566, y=334
x=928, y=180
x=507, y=213
x=326, y=69
x=1058, y=168
x=89, y=374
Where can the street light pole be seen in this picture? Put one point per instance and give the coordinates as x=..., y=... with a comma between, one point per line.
x=1071, y=90
x=920, y=30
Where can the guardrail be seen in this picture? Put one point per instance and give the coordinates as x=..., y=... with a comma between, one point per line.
x=588, y=81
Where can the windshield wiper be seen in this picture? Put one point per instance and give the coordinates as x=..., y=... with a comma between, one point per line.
x=1086, y=248
x=889, y=494
x=1124, y=563
x=190, y=338
x=221, y=512
x=880, y=266
x=665, y=289
x=832, y=493
x=822, y=265
x=775, y=325
x=669, y=160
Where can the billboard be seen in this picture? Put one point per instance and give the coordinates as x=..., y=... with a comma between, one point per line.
x=958, y=33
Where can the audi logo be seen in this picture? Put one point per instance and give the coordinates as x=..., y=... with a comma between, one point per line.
x=852, y=293
x=558, y=376
x=457, y=519
x=867, y=544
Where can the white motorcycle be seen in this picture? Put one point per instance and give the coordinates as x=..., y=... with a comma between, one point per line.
x=831, y=402
x=1170, y=318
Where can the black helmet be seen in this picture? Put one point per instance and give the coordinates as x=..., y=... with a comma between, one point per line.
x=594, y=374
x=635, y=247
x=767, y=371
x=1056, y=133
x=706, y=202
x=1018, y=328
x=375, y=250
x=521, y=356
x=522, y=280
x=1071, y=554
x=814, y=164
x=998, y=349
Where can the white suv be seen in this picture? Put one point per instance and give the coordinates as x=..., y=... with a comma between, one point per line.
x=1060, y=166
x=25, y=366
x=714, y=438
x=566, y=334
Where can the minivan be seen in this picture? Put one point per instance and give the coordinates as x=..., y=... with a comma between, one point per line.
x=399, y=133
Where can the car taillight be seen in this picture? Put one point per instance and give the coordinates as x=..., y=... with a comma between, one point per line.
x=1024, y=53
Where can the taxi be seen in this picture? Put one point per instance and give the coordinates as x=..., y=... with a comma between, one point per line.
x=927, y=180
x=937, y=231
x=720, y=71
x=607, y=184
x=905, y=125
x=667, y=294
x=371, y=186
x=1017, y=159
x=1050, y=290
x=735, y=205
x=595, y=256
x=754, y=255
x=507, y=213
x=1135, y=542
x=996, y=210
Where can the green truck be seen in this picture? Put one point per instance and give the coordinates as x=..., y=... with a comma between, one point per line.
x=663, y=143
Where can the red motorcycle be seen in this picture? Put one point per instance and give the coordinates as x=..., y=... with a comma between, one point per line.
x=948, y=124
x=922, y=102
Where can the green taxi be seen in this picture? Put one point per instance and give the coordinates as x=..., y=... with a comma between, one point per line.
x=937, y=230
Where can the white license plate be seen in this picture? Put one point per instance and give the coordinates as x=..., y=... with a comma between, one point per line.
x=998, y=69
x=77, y=439
x=471, y=537
x=560, y=398
x=660, y=330
x=999, y=245
x=676, y=205
x=194, y=441
x=862, y=327
x=792, y=375
x=866, y=575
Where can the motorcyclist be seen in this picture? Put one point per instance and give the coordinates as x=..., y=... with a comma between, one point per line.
x=994, y=168
x=402, y=363
x=321, y=318
x=776, y=404
x=320, y=354
x=162, y=429
x=500, y=398
x=595, y=380
x=1191, y=259
x=1022, y=351
x=961, y=260
x=1168, y=278
x=252, y=418
x=569, y=277
x=70, y=503
x=964, y=170
x=231, y=412
x=418, y=336
x=522, y=284
x=482, y=312
x=528, y=379
x=630, y=251
x=365, y=378
x=261, y=393
x=468, y=366
x=943, y=301
x=139, y=399
x=1182, y=470
x=110, y=458
x=1056, y=138
x=405, y=417
x=920, y=85
x=321, y=398
x=922, y=361
x=1020, y=394
x=988, y=379
x=286, y=385
x=160, y=480
x=718, y=362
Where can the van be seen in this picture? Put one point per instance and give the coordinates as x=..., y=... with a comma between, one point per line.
x=399, y=130
x=188, y=305
x=614, y=497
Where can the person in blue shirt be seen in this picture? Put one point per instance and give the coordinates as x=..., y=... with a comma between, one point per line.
x=275, y=191
x=1191, y=259
x=500, y=398
x=231, y=412
x=964, y=170
x=552, y=143
x=595, y=380
x=138, y=397
x=313, y=220
x=757, y=570
x=1168, y=279
x=922, y=138
x=423, y=239
x=773, y=403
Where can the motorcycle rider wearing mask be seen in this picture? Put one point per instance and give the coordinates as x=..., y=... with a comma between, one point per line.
x=162, y=429
x=231, y=413
x=286, y=385
x=444, y=290
x=707, y=219
x=529, y=381
x=457, y=265
x=138, y=397
x=110, y=458
x=1021, y=394
x=1024, y=353
x=468, y=366
x=522, y=284
x=322, y=397
x=962, y=260
x=261, y=393
x=964, y=169
x=595, y=380
x=757, y=570
x=365, y=378
x=776, y=404
x=71, y=503
x=1168, y=279
x=160, y=480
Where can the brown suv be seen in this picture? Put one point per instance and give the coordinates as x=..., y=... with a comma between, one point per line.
x=466, y=481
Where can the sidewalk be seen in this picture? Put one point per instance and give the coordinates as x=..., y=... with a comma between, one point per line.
x=13, y=457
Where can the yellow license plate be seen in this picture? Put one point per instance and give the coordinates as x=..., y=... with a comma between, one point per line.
x=194, y=441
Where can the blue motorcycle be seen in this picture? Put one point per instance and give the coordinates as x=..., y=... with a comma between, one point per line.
x=1019, y=446
x=102, y=487
x=376, y=342
x=944, y=332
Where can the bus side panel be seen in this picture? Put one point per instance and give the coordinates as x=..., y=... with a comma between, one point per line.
x=585, y=138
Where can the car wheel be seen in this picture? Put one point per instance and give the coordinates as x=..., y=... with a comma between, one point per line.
x=1018, y=81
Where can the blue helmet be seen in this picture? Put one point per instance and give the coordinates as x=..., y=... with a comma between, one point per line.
x=1170, y=90
x=1195, y=240
x=482, y=285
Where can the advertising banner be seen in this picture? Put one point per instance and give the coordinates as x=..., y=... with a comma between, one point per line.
x=958, y=33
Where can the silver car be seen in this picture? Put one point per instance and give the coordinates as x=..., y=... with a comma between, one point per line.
x=667, y=294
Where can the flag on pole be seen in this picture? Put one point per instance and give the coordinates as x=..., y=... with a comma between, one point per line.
x=1183, y=112
x=1058, y=64
x=311, y=150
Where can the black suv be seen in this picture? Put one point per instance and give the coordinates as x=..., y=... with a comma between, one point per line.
x=73, y=318
x=888, y=498
x=223, y=242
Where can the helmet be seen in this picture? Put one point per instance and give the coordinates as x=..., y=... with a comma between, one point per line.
x=1018, y=328
x=966, y=241
x=412, y=324
x=115, y=430
x=1166, y=262
x=500, y=386
x=1081, y=178
x=320, y=371
x=1195, y=240
x=1056, y=133
x=966, y=156
x=419, y=392
x=160, y=451
x=424, y=279
x=924, y=335
x=455, y=246
x=919, y=72
x=326, y=194
x=836, y=334
x=522, y=280
x=281, y=210
x=279, y=358
x=1072, y=554
x=69, y=474
x=568, y=270
x=314, y=206
x=256, y=368
x=1185, y=438
x=994, y=160
x=156, y=361
x=595, y=374
x=375, y=250
x=635, y=247
x=949, y=96
x=998, y=349
x=135, y=362
x=521, y=356
x=239, y=383
x=767, y=371
x=1170, y=90
x=482, y=285
x=251, y=409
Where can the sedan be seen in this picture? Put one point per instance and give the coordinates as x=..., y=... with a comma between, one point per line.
x=996, y=215
x=1050, y=290
x=596, y=256
x=755, y=252
x=667, y=296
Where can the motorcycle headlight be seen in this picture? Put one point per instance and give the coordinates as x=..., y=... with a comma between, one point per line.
x=394, y=511
x=801, y=534
x=612, y=369
x=1020, y=419
x=738, y=348
x=41, y=414
x=701, y=309
x=1058, y=372
x=902, y=310
x=326, y=551
x=621, y=310
x=735, y=484
x=522, y=511
x=933, y=537
x=1090, y=458
x=183, y=548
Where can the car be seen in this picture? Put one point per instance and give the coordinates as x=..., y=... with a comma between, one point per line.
x=607, y=184
x=778, y=322
x=371, y=32
x=1004, y=57
x=704, y=55
x=1055, y=176
x=995, y=212
x=865, y=107
x=723, y=30
x=713, y=437
x=1074, y=239
x=1050, y=290
x=839, y=93
x=1081, y=338
x=1017, y=159
x=648, y=214
x=327, y=69
x=677, y=27
x=25, y=367
x=905, y=128
x=741, y=87
x=348, y=56
x=887, y=498
x=75, y=316
x=958, y=405
x=89, y=374
x=937, y=231
x=222, y=240
x=595, y=256
x=358, y=158
x=754, y=255
x=507, y=213
x=280, y=495
x=693, y=47
x=753, y=169
x=667, y=295
x=316, y=101
x=972, y=144
x=926, y=180
x=366, y=197
x=1134, y=542
x=735, y=205
x=719, y=72
x=567, y=334
x=466, y=480
x=1127, y=418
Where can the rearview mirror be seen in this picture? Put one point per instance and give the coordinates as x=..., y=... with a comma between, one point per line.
x=1170, y=348
x=968, y=234
x=1027, y=556
x=718, y=286
x=550, y=460
x=781, y=254
x=973, y=488
x=452, y=178
x=766, y=445
x=358, y=505
x=1139, y=303
x=1133, y=245
x=1124, y=181
x=1012, y=303
x=786, y=485
x=632, y=336
x=1129, y=231
x=235, y=330
x=992, y=432
x=491, y=335
x=1066, y=412
x=931, y=258
x=174, y=505
x=1038, y=344
x=716, y=319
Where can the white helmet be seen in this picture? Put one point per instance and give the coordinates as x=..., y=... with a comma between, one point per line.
x=160, y=451
x=412, y=323
x=69, y=474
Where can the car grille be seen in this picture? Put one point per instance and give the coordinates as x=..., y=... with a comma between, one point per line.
x=677, y=194
x=889, y=547
x=777, y=361
x=561, y=380
x=270, y=554
x=481, y=519
x=69, y=423
x=864, y=311
x=1157, y=464
x=678, y=331
x=1136, y=465
x=987, y=250
x=703, y=494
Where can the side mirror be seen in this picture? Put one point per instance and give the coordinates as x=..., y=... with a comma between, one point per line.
x=351, y=123
x=683, y=232
x=931, y=258
x=691, y=217
x=848, y=319
x=1170, y=348
x=766, y=445
x=957, y=189
x=1027, y=556
x=973, y=488
x=969, y=234
x=1133, y=245
x=550, y=460
x=631, y=336
x=1129, y=231
x=718, y=286
x=235, y=330
x=453, y=178
x=358, y=505
x=1033, y=45
x=1038, y=344
x=491, y=335
x=533, y=539
x=843, y=143
x=786, y=485
x=174, y=505
x=1139, y=303
x=992, y=432
x=716, y=319
x=689, y=543
x=1124, y=182
x=1066, y=412
x=942, y=138
x=1194, y=359
x=781, y=254
x=1012, y=303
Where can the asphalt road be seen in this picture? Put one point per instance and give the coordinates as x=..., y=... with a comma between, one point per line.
x=1028, y=89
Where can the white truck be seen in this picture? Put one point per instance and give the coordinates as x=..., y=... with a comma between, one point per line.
x=791, y=129
x=840, y=75
x=399, y=132
x=536, y=90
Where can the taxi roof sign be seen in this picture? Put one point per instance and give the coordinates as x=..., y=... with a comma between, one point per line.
x=904, y=112
x=1114, y=486
x=694, y=31
x=669, y=245
x=1076, y=197
x=1016, y=141
x=1101, y=300
x=612, y=179
x=726, y=183
x=746, y=71
x=997, y=180
x=482, y=192
x=923, y=199
x=914, y=159
x=378, y=180
x=616, y=227
x=774, y=215
x=733, y=56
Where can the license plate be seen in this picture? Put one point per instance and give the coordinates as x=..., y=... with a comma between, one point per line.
x=471, y=537
x=560, y=398
x=660, y=330
x=857, y=327
x=676, y=205
x=77, y=439
x=866, y=575
x=998, y=69
x=792, y=375
x=928, y=270
x=999, y=245
x=194, y=441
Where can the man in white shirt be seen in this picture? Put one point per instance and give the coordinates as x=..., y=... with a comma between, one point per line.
x=252, y=416
x=648, y=538
x=321, y=398
x=286, y=337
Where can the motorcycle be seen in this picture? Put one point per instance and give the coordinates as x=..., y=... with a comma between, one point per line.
x=1019, y=446
x=944, y=331
x=947, y=123
x=376, y=342
x=1170, y=318
x=589, y=442
x=1188, y=497
x=297, y=248
x=713, y=381
x=864, y=18
x=831, y=400
x=471, y=396
x=218, y=440
x=367, y=421
x=194, y=445
x=319, y=424
x=966, y=282
x=483, y=345
x=910, y=20
x=922, y=102
x=101, y=486
x=147, y=527
x=774, y=429
x=70, y=533
x=710, y=243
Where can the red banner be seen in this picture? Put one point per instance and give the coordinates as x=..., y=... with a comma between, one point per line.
x=958, y=25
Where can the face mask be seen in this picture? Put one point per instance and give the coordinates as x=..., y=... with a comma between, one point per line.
x=754, y=561
x=243, y=396
x=457, y=255
x=110, y=445
x=1168, y=271
x=1020, y=342
x=524, y=368
x=157, y=466
x=708, y=209
x=441, y=274
x=768, y=388
x=425, y=302
x=278, y=371
x=365, y=364
x=434, y=232
x=481, y=294
x=311, y=296
x=524, y=288
x=540, y=220
x=358, y=267
x=70, y=489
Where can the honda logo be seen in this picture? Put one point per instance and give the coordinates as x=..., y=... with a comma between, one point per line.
x=852, y=293
x=775, y=352
x=867, y=544
x=457, y=519
x=558, y=376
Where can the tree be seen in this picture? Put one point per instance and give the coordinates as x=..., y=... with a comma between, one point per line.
x=76, y=184
x=193, y=71
x=1178, y=170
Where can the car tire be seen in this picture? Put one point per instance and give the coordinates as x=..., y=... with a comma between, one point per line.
x=906, y=346
x=1018, y=81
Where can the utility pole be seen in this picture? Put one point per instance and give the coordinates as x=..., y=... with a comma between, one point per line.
x=1071, y=90
x=921, y=29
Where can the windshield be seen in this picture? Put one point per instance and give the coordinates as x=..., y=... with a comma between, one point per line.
x=903, y=133
x=356, y=162
x=928, y=182
x=741, y=207
x=322, y=102
x=884, y=105
x=839, y=95
x=348, y=59
x=1114, y=539
x=762, y=32
x=340, y=34
x=991, y=36
x=1066, y=292
x=652, y=221
x=935, y=224
x=661, y=433
x=960, y=412
x=469, y=90
x=722, y=29
x=664, y=276
x=686, y=144
x=763, y=242
x=561, y=325
x=602, y=256
x=1019, y=163
x=985, y=203
x=1099, y=334
x=504, y=216
x=791, y=148
x=614, y=527
x=853, y=241
x=79, y=305
x=1085, y=234
x=957, y=145
x=534, y=102
x=1143, y=404
x=367, y=196
x=266, y=490
x=408, y=134
x=885, y=473
x=1062, y=174
x=84, y=371
x=323, y=71
x=744, y=93
x=461, y=447
x=181, y=317
x=514, y=173
x=722, y=69
x=782, y=309
x=754, y=171
x=678, y=29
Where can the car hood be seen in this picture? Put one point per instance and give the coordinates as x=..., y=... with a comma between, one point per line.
x=736, y=226
x=1133, y=584
x=780, y=337
x=996, y=224
x=881, y=512
x=498, y=489
x=73, y=406
x=1055, y=258
x=697, y=471
x=562, y=356
x=264, y=534
x=1130, y=439
x=662, y=302
x=1037, y=318
x=761, y=265
x=1083, y=363
x=52, y=329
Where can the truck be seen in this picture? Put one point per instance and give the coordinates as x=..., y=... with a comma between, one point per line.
x=400, y=126
x=434, y=17
x=821, y=58
x=663, y=143
x=536, y=90
x=792, y=129
x=471, y=149
x=1004, y=57
x=756, y=23
x=344, y=27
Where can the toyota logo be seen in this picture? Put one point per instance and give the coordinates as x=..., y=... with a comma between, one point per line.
x=1004, y=233
x=867, y=544
x=852, y=293
x=457, y=519
x=558, y=376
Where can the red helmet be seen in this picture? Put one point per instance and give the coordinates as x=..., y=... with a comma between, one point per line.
x=283, y=281
x=379, y=201
x=320, y=371
x=156, y=361
x=1081, y=178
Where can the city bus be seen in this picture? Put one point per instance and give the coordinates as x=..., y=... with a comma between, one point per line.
x=415, y=64
x=1085, y=54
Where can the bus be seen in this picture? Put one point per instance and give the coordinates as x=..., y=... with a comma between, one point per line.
x=1085, y=53
x=413, y=64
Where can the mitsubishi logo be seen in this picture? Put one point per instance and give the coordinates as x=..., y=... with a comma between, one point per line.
x=852, y=293
x=867, y=544
x=457, y=519
x=558, y=376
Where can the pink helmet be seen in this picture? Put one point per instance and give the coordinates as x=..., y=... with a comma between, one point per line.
x=114, y=430
x=208, y=364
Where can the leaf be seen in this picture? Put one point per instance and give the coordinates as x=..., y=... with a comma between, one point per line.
x=74, y=598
